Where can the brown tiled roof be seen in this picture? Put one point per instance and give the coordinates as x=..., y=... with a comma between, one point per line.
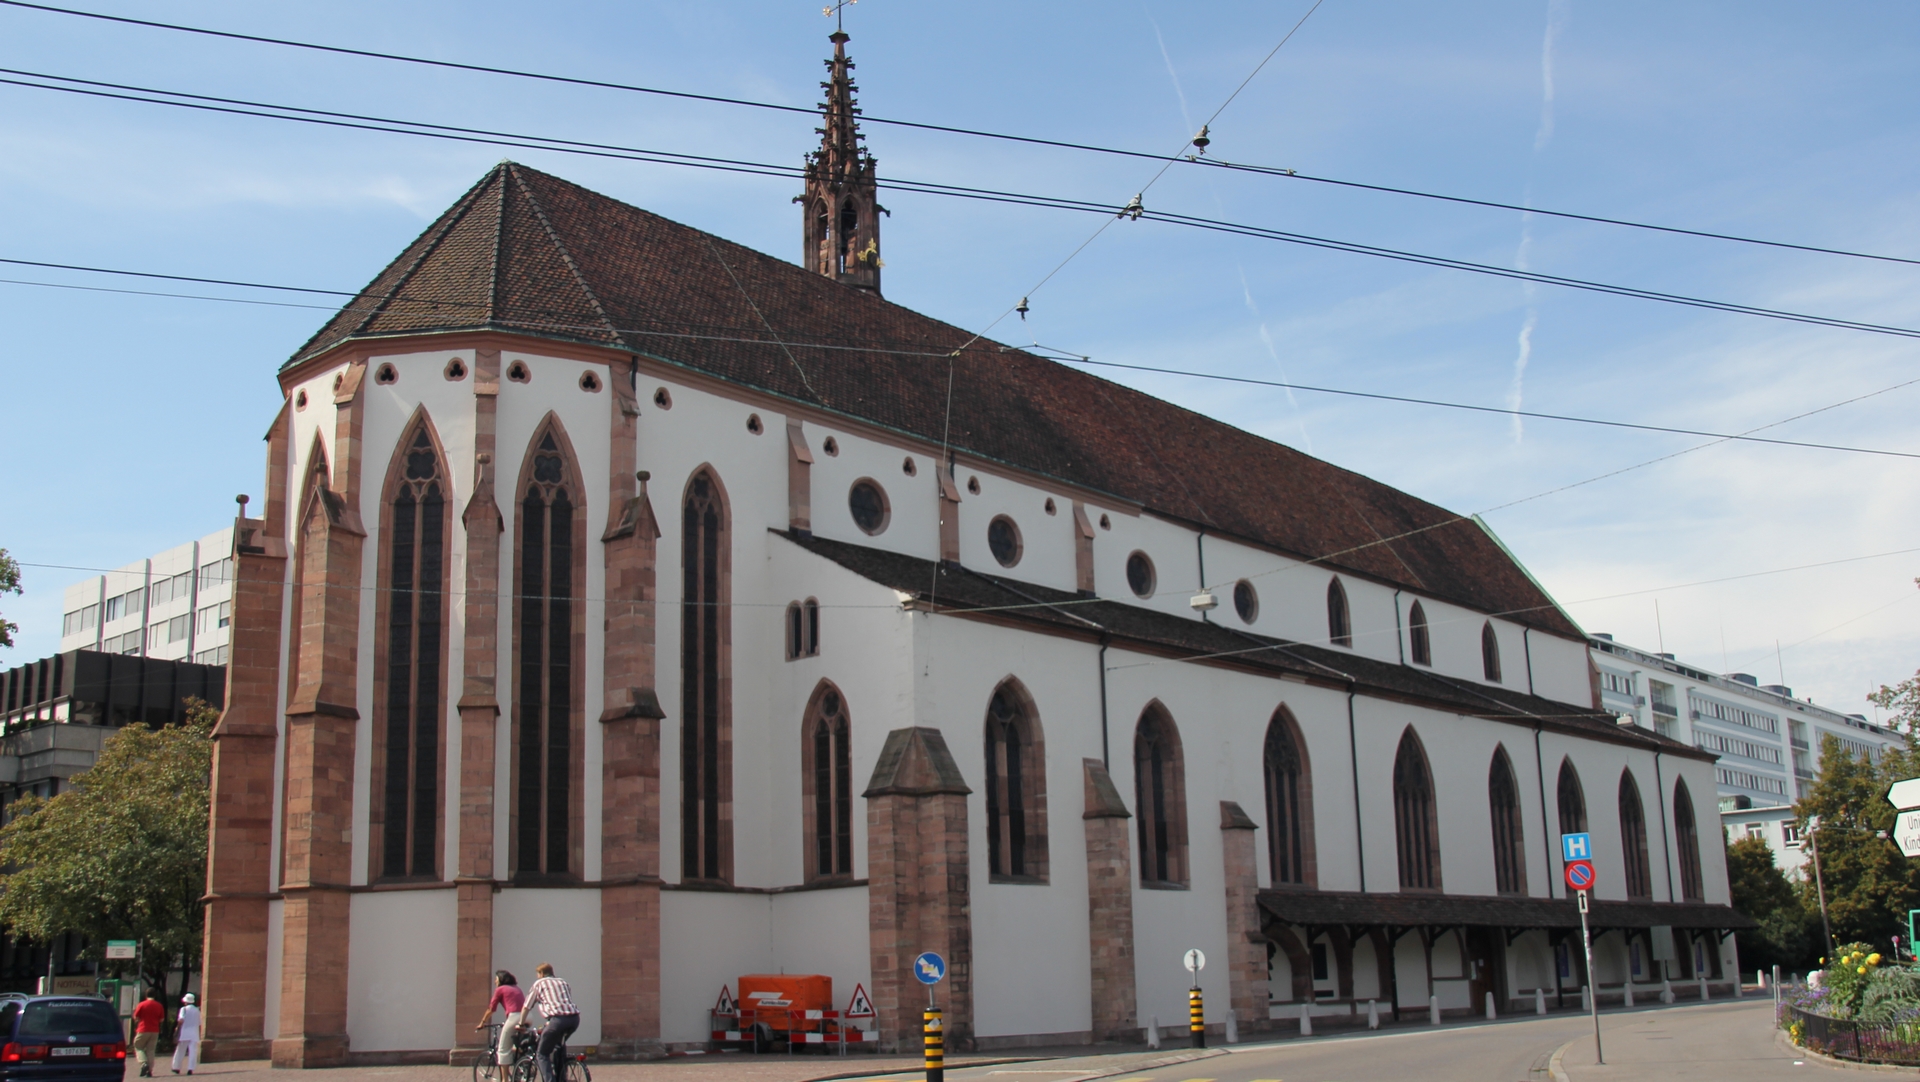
x=530, y=253
x=962, y=592
x=1332, y=907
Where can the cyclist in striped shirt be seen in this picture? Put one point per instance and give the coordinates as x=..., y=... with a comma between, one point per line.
x=555, y=1000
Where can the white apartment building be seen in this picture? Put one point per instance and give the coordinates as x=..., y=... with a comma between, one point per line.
x=1768, y=741
x=174, y=605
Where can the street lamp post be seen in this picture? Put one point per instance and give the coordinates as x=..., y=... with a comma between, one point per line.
x=1819, y=884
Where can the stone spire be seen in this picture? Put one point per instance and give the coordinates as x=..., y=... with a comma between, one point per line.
x=841, y=212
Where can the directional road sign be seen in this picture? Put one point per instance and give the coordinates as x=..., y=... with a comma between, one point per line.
x=1576, y=846
x=1195, y=961
x=1579, y=875
x=1905, y=794
x=1906, y=832
x=930, y=968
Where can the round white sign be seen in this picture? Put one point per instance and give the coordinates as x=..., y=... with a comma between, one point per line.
x=1195, y=961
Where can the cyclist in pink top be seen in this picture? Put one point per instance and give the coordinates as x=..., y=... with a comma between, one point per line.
x=513, y=1002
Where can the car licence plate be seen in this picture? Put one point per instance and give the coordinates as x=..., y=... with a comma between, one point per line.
x=76, y=1050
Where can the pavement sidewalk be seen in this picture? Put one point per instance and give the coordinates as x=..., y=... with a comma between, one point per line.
x=1066, y=1064
x=1736, y=1039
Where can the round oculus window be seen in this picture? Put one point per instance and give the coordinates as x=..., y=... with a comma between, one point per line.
x=1246, y=601
x=1140, y=574
x=869, y=506
x=1003, y=540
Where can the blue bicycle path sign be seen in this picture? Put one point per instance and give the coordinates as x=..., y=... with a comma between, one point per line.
x=929, y=968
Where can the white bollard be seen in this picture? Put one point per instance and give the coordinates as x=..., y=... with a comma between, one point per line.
x=1153, y=1033
x=1629, y=987
x=1490, y=1014
x=1762, y=976
x=1703, y=989
x=1586, y=997
x=1233, y=1028
x=1539, y=1001
x=1433, y=1010
x=1666, y=990
x=1373, y=1014
x=1306, y=1019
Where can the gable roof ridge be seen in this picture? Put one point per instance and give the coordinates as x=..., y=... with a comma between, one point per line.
x=560, y=247
x=446, y=223
x=499, y=242
x=433, y=235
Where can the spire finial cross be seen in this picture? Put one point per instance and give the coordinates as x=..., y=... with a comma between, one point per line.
x=834, y=12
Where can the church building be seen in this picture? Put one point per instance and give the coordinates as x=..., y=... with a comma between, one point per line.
x=626, y=599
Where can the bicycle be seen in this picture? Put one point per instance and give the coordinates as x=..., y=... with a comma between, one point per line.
x=525, y=1066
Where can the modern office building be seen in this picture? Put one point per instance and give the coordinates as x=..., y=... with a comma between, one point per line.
x=1768, y=741
x=55, y=716
x=174, y=605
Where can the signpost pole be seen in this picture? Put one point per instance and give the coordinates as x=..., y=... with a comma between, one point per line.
x=930, y=969
x=1195, y=961
x=1593, y=988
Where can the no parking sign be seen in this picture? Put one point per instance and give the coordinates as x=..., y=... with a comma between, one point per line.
x=1579, y=875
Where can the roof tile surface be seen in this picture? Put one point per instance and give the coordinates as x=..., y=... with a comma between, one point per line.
x=526, y=252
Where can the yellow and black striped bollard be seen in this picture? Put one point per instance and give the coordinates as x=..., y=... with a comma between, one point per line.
x=936, y=1044
x=1196, y=1018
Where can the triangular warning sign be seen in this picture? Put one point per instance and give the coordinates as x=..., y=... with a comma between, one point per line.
x=726, y=1004
x=860, y=1006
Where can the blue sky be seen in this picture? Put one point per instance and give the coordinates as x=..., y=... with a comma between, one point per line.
x=128, y=423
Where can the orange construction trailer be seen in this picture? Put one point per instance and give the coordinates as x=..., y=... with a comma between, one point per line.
x=793, y=1009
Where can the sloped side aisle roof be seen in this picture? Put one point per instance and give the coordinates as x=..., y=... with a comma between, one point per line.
x=527, y=252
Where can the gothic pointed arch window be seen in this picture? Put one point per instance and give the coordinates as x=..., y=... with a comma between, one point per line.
x=1633, y=839
x=1339, y=619
x=826, y=754
x=706, y=721
x=1016, y=786
x=1418, y=639
x=823, y=253
x=849, y=230
x=410, y=660
x=1509, y=840
x=1160, y=799
x=1416, y=827
x=1489, y=652
x=1687, y=839
x=309, y=582
x=549, y=665
x=1289, y=786
x=1572, y=800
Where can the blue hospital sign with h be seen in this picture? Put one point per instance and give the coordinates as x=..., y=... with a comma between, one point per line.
x=1576, y=846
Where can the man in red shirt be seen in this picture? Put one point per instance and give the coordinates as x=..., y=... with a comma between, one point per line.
x=146, y=1031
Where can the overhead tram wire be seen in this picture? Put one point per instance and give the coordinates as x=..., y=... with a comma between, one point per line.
x=1075, y=601
x=1475, y=516
x=1061, y=144
x=921, y=353
x=482, y=136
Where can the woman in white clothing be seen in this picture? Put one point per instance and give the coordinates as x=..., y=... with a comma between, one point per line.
x=186, y=1038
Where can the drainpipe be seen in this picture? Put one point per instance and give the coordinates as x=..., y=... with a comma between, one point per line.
x=1546, y=824
x=1527, y=645
x=1665, y=845
x=1359, y=836
x=1104, y=760
x=1399, y=639
x=1200, y=552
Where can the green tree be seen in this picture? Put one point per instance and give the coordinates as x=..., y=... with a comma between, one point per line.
x=123, y=853
x=1869, y=884
x=9, y=584
x=1762, y=891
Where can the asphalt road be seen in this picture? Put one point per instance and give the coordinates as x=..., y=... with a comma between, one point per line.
x=1729, y=1040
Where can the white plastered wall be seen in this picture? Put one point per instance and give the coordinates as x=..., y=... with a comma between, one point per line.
x=556, y=925
x=400, y=983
